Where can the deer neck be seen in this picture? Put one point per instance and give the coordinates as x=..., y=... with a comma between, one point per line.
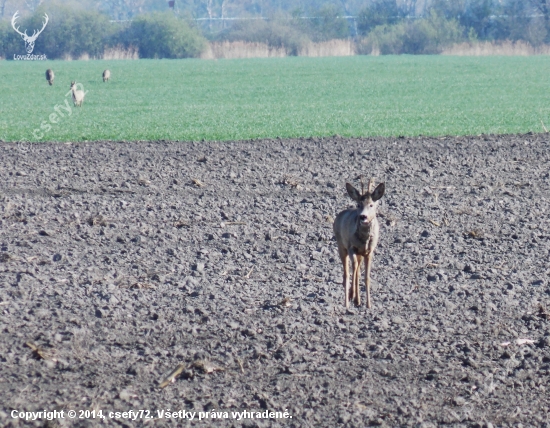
x=363, y=232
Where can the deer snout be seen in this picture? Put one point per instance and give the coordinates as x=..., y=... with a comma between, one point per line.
x=363, y=218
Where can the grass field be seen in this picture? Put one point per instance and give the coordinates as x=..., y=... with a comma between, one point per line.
x=286, y=97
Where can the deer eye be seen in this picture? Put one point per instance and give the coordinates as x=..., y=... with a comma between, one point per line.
x=371, y=205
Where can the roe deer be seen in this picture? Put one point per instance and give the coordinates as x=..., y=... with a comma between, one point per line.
x=78, y=95
x=356, y=231
x=106, y=76
x=50, y=76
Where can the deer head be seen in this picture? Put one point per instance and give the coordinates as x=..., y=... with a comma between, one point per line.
x=367, y=202
x=29, y=40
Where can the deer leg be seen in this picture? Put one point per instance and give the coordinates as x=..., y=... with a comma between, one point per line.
x=353, y=277
x=345, y=281
x=356, y=291
x=354, y=294
x=368, y=262
x=353, y=280
x=354, y=263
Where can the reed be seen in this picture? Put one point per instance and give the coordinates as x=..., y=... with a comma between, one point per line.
x=119, y=52
x=500, y=48
x=240, y=49
x=336, y=47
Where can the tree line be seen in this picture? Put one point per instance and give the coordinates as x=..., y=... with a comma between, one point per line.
x=451, y=21
x=384, y=26
x=75, y=32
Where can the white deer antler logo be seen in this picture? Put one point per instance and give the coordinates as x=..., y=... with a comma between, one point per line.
x=29, y=40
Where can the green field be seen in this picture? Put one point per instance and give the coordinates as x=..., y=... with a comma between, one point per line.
x=285, y=97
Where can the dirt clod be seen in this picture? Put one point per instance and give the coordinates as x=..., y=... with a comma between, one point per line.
x=227, y=293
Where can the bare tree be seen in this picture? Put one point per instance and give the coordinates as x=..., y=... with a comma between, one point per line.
x=215, y=9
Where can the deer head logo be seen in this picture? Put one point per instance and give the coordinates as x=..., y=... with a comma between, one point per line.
x=29, y=40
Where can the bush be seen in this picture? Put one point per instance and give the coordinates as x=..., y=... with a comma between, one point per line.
x=75, y=32
x=432, y=35
x=10, y=42
x=328, y=25
x=380, y=12
x=162, y=35
x=71, y=32
x=384, y=39
x=275, y=33
x=425, y=36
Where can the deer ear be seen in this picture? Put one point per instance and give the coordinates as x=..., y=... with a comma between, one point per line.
x=352, y=192
x=379, y=191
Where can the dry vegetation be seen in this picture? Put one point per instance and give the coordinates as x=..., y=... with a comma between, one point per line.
x=119, y=52
x=343, y=47
x=240, y=49
x=336, y=47
x=116, y=53
x=502, y=48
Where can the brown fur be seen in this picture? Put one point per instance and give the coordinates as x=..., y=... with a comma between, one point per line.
x=50, y=76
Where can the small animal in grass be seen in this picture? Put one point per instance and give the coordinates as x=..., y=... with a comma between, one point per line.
x=356, y=231
x=78, y=95
x=50, y=76
x=106, y=76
